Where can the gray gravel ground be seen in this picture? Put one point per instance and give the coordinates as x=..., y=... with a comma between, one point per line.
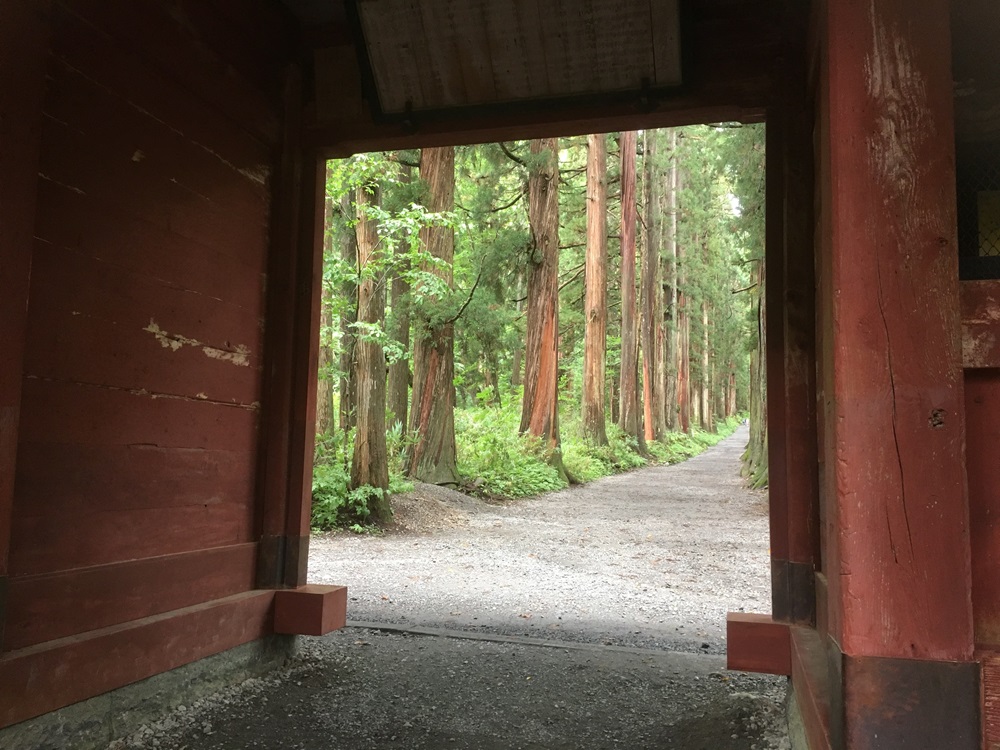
x=581, y=619
x=653, y=558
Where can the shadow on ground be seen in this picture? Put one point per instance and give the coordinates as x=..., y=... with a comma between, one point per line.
x=364, y=689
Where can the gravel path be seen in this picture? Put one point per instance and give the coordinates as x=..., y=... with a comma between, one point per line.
x=580, y=619
x=653, y=558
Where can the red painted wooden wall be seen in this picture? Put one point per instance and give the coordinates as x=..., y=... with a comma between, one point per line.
x=138, y=440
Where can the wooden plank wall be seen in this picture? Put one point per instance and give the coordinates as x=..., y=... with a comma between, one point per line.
x=23, y=46
x=135, y=490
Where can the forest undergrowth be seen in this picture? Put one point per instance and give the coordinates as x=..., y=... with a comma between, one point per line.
x=495, y=462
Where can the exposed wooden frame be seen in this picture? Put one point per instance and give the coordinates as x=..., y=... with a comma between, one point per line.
x=292, y=354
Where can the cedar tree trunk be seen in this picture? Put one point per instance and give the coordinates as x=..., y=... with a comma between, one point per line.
x=540, y=406
x=431, y=456
x=628, y=416
x=348, y=241
x=370, y=465
x=595, y=304
x=399, y=371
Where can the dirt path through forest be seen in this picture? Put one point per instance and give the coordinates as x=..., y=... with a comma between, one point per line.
x=580, y=619
x=653, y=558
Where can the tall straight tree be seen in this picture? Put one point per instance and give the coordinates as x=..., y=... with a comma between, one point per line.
x=325, y=386
x=670, y=373
x=596, y=292
x=650, y=302
x=431, y=456
x=348, y=240
x=540, y=406
x=629, y=418
x=370, y=463
x=399, y=371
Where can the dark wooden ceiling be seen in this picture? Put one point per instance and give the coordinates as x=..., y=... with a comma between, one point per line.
x=385, y=74
x=440, y=54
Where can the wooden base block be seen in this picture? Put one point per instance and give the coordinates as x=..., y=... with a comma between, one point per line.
x=310, y=610
x=756, y=643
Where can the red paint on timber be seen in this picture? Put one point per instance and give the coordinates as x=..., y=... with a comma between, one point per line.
x=105, y=477
x=217, y=61
x=97, y=415
x=774, y=326
x=903, y=536
x=97, y=537
x=279, y=347
x=46, y=607
x=305, y=358
x=109, y=175
x=129, y=73
x=96, y=324
x=310, y=610
x=828, y=589
x=756, y=643
x=811, y=682
x=220, y=272
x=33, y=680
x=980, y=324
x=24, y=31
x=982, y=414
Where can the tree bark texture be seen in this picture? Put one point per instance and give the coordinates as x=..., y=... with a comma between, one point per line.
x=670, y=370
x=755, y=458
x=399, y=371
x=325, y=385
x=540, y=406
x=370, y=465
x=431, y=457
x=706, y=373
x=629, y=417
x=596, y=293
x=650, y=302
x=348, y=240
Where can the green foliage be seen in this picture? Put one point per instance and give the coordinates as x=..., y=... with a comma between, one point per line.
x=334, y=504
x=720, y=242
x=496, y=460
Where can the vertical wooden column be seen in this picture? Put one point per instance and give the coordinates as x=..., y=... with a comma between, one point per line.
x=899, y=579
x=292, y=346
x=24, y=49
x=774, y=329
x=791, y=350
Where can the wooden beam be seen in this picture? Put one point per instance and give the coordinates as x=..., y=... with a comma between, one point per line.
x=34, y=680
x=799, y=338
x=898, y=427
x=292, y=354
x=774, y=332
x=57, y=605
x=726, y=70
x=757, y=643
x=791, y=340
x=305, y=364
x=278, y=343
x=24, y=51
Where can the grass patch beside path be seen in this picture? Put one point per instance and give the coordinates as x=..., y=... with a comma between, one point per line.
x=495, y=462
